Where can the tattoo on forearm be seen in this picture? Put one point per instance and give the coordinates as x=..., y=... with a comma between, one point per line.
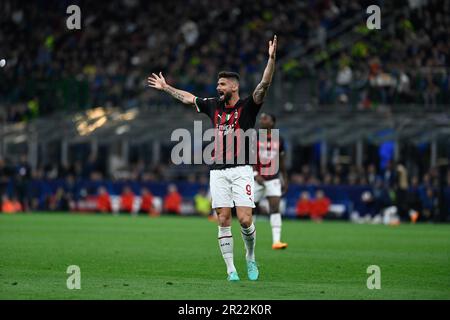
x=268, y=72
x=260, y=91
x=175, y=93
x=261, y=88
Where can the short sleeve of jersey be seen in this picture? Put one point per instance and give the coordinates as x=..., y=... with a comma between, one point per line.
x=206, y=105
x=253, y=106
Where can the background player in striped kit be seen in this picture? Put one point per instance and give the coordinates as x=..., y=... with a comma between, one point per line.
x=267, y=175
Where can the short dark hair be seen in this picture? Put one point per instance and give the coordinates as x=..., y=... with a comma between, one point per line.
x=228, y=74
x=272, y=116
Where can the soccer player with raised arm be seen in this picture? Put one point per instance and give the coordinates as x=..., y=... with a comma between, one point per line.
x=231, y=182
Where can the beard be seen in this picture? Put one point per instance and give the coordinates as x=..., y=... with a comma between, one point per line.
x=227, y=97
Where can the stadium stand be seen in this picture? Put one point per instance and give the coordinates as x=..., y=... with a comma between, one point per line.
x=352, y=104
x=406, y=62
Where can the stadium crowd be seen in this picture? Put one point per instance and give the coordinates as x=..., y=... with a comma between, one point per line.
x=105, y=63
x=410, y=63
x=388, y=187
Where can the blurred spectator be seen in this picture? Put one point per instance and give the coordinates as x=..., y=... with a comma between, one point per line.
x=372, y=174
x=190, y=32
x=21, y=180
x=91, y=167
x=5, y=174
x=369, y=208
x=381, y=196
x=430, y=204
x=202, y=203
x=404, y=86
x=320, y=206
x=103, y=200
x=402, y=187
x=414, y=200
x=127, y=200
x=389, y=174
x=10, y=205
x=344, y=77
x=430, y=93
x=303, y=208
x=147, y=203
x=172, y=201
x=60, y=201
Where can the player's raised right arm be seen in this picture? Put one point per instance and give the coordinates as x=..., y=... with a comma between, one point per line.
x=159, y=83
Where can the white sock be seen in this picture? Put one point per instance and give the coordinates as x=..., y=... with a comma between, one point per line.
x=249, y=237
x=275, y=222
x=226, y=247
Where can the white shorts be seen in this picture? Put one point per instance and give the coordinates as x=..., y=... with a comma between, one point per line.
x=271, y=188
x=232, y=187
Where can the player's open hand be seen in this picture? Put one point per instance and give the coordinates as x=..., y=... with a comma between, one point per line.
x=157, y=82
x=273, y=47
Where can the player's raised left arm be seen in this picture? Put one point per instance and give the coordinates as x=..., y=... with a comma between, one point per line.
x=261, y=88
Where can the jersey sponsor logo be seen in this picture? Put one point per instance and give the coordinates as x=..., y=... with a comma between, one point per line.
x=239, y=147
x=223, y=123
x=268, y=156
x=226, y=129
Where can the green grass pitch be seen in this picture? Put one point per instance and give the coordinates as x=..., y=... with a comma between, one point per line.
x=178, y=258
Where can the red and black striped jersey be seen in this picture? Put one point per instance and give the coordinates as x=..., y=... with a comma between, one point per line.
x=269, y=150
x=226, y=120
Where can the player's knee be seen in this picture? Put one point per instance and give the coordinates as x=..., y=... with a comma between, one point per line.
x=275, y=209
x=246, y=221
x=274, y=206
x=224, y=222
x=223, y=217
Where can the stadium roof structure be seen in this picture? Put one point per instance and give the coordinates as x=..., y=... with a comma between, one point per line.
x=106, y=125
x=342, y=128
